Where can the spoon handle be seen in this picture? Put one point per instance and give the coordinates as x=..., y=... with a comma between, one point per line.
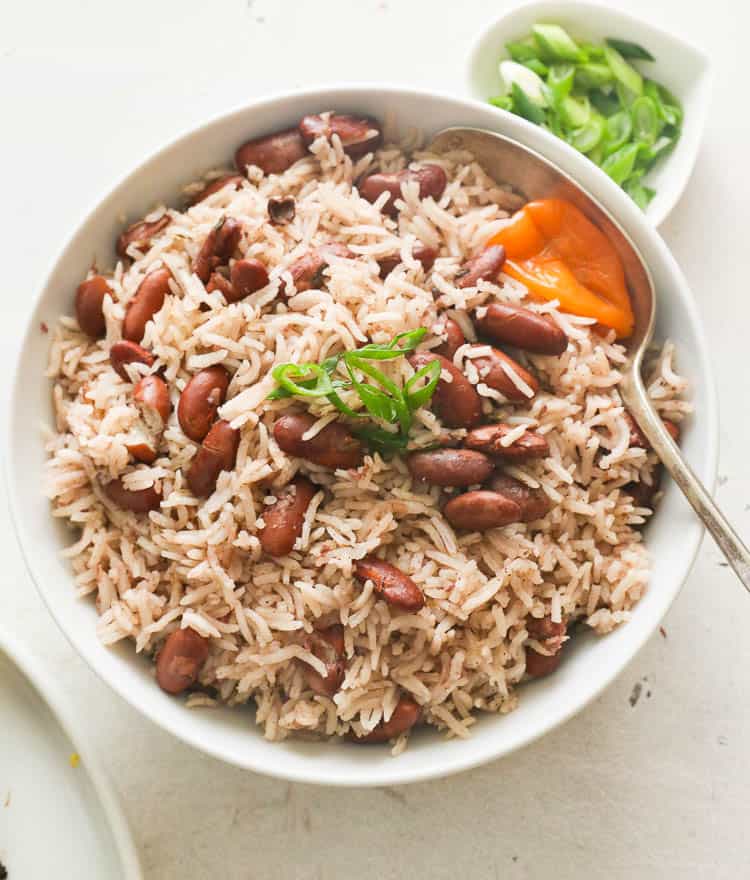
x=642, y=410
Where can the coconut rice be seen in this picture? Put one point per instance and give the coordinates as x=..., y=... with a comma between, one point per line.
x=199, y=564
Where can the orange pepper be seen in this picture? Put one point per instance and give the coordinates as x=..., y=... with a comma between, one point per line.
x=558, y=253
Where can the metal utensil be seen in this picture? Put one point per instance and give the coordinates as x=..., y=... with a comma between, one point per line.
x=535, y=177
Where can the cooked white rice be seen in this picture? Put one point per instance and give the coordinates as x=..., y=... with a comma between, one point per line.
x=199, y=564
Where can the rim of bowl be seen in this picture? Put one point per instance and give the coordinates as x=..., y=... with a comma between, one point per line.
x=36, y=675
x=384, y=773
x=706, y=75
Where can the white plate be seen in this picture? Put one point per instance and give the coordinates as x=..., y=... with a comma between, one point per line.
x=681, y=67
x=56, y=819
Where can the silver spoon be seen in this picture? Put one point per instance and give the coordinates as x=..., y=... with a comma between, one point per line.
x=535, y=177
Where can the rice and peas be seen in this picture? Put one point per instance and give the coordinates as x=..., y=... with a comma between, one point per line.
x=282, y=629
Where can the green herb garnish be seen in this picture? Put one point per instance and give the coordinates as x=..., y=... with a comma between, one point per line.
x=381, y=398
x=596, y=99
x=630, y=50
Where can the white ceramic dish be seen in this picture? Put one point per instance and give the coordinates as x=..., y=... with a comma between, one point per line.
x=681, y=67
x=55, y=819
x=230, y=734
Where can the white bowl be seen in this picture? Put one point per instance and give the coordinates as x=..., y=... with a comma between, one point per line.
x=682, y=68
x=230, y=734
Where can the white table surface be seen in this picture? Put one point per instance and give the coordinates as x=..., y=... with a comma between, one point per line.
x=653, y=788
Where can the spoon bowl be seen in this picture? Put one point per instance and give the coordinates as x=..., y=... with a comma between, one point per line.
x=535, y=177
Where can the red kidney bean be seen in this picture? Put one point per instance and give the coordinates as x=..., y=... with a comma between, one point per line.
x=406, y=714
x=638, y=438
x=431, y=179
x=491, y=369
x=143, y=451
x=90, y=305
x=454, y=337
x=273, y=153
x=281, y=211
x=148, y=300
x=456, y=402
x=543, y=628
x=482, y=509
x=358, y=135
x=218, y=282
x=218, y=247
x=134, y=500
x=126, y=352
x=180, y=660
x=333, y=636
x=228, y=238
x=327, y=645
x=329, y=685
x=200, y=399
x=333, y=447
x=205, y=262
x=141, y=234
x=374, y=185
x=307, y=270
x=534, y=503
x=151, y=395
x=390, y=583
x=235, y=180
x=522, y=328
x=284, y=519
x=423, y=253
x=246, y=277
x=217, y=453
x=539, y=665
x=642, y=494
x=450, y=467
x=484, y=266
x=529, y=445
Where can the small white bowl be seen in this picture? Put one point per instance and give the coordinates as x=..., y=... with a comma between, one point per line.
x=682, y=68
x=672, y=537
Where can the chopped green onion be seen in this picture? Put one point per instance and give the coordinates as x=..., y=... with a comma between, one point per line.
x=592, y=52
x=554, y=124
x=639, y=193
x=645, y=117
x=560, y=83
x=617, y=132
x=529, y=82
x=667, y=105
x=555, y=44
x=629, y=50
x=622, y=71
x=593, y=75
x=589, y=136
x=420, y=396
x=524, y=106
x=504, y=102
x=597, y=154
x=649, y=154
x=625, y=96
x=380, y=440
x=595, y=98
x=381, y=398
x=606, y=103
x=522, y=52
x=575, y=112
x=539, y=67
x=303, y=380
x=618, y=165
